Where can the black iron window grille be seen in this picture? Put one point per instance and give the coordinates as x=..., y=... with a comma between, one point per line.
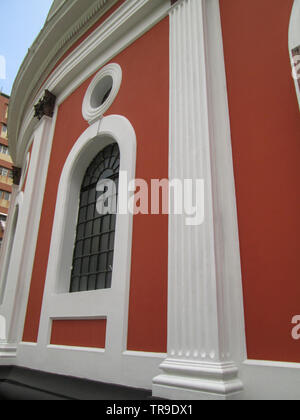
x=95, y=235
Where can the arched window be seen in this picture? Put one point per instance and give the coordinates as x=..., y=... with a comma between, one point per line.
x=95, y=235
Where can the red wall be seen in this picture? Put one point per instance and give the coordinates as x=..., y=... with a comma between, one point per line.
x=265, y=127
x=4, y=101
x=144, y=100
x=79, y=333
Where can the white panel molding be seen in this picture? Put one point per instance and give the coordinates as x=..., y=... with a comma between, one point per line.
x=129, y=370
x=265, y=380
x=206, y=339
x=7, y=353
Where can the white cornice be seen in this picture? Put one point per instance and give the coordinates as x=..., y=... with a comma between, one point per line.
x=61, y=30
x=131, y=20
x=56, y=5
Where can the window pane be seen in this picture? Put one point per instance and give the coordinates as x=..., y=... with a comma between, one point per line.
x=106, y=224
x=90, y=213
x=104, y=242
x=93, y=264
x=77, y=267
x=79, y=249
x=101, y=281
x=88, y=229
x=75, y=285
x=97, y=226
x=92, y=284
x=102, y=262
x=83, y=284
x=82, y=214
x=108, y=280
x=95, y=245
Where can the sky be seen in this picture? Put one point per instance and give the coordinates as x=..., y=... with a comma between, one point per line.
x=21, y=22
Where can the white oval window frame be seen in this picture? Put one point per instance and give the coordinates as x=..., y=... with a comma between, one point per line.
x=91, y=113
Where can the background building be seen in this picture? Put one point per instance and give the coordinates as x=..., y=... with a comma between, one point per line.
x=156, y=89
x=6, y=178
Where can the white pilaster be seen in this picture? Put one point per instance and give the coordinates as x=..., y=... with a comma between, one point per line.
x=205, y=321
x=26, y=211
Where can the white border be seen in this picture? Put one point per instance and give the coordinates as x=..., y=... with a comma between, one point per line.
x=90, y=113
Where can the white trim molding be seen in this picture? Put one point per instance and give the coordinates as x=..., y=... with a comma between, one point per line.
x=265, y=380
x=206, y=340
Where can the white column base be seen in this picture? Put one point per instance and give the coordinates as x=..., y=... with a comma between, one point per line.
x=7, y=350
x=192, y=380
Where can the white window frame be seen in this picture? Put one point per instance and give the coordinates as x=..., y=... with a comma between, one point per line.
x=111, y=304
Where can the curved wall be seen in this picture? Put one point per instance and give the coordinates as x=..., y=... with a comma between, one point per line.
x=144, y=100
x=265, y=128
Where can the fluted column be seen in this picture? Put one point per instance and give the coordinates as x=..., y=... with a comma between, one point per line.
x=205, y=343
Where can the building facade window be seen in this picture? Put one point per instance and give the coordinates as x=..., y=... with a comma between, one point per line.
x=4, y=171
x=3, y=149
x=94, y=244
x=4, y=131
x=3, y=217
x=4, y=195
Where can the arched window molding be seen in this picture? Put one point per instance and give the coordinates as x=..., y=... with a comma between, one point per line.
x=294, y=42
x=8, y=249
x=110, y=303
